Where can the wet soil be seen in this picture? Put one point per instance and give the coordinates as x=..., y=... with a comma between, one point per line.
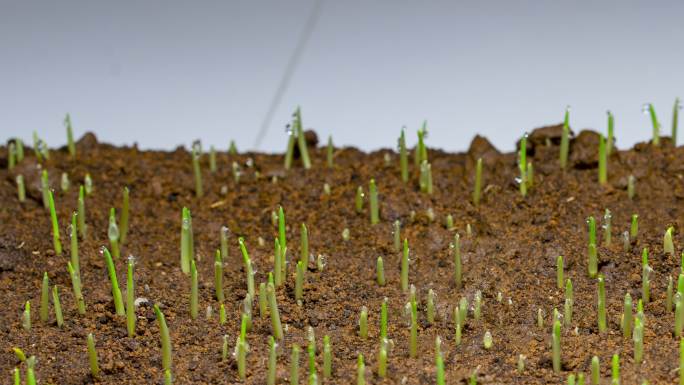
x=512, y=251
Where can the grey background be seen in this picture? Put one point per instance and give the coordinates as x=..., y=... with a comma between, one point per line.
x=162, y=73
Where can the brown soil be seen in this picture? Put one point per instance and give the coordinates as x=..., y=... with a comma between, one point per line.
x=513, y=251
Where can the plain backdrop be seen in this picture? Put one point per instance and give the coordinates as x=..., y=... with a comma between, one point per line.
x=163, y=73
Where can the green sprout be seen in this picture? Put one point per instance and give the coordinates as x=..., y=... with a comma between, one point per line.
x=556, y=346
x=615, y=370
x=222, y=315
x=487, y=340
x=396, y=233
x=571, y=379
x=650, y=110
x=218, y=276
x=64, y=182
x=187, y=241
x=405, y=267
x=327, y=357
x=74, y=244
x=304, y=255
x=45, y=189
x=593, y=260
x=273, y=309
x=299, y=282
x=330, y=153
x=383, y=319
x=559, y=271
x=223, y=234
x=130, y=298
x=272, y=361
x=263, y=301
x=382, y=359
x=426, y=177
x=668, y=246
x=55, y=226
x=540, y=318
x=403, y=157
x=413, y=338
x=358, y=200
x=113, y=234
x=634, y=227
x=567, y=312
x=70, y=137
x=212, y=159
x=165, y=338
x=311, y=349
x=278, y=260
x=478, y=183
x=595, y=371
x=116, y=292
x=455, y=248
x=602, y=163
x=645, y=280
x=21, y=188
x=281, y=228
x=380, y=272
x=565, y=139
x=675, y=121
x=458, y=326
x=638, y=341
x=294, y=365
x=232, y=148
x=11, y=156
x=431, y=298
x=627, y=318
x=679, y=315
x=92, y=357
x=360, y=371
x=88, y=184
x=602, y=304
x=345, y=234
x=289, y=151
x=82, y=228
x=681, y=362
x=521, y=363
x=196, y=152
x=58, y=306
x=449, y=222
x=607, y=228
x=236, y=172
x=193, y=290
x=76, y=287
x=168, y=378
x=17, y=376
x=26, y=316
x=21, y=356
x=610, y=137
x=363, y=323
x=301, y=140
x=45, y=298
x=124, y=217
x=247, y=304
x=439, y=367
x=522, y=164
x=30, y=371
x=373, y=202
x=20, y=149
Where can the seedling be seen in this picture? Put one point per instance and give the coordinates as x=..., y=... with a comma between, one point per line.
x=168, y=378
x=187, y=242
x=380, y=268
x=64, y=182
x=681, y=362
x=403, y=157
x=45, y=298
x=289, y=151
x=593, y=260
x=522, y=165
x=358, y=200
x=76, y=287
x=88, y=184
x=413, y=339
x=21, y=188
x=55, y=226
x=679, y=315
x=124, y=217
x=20, y=149
x=627, y=318
x=607, y=228
x=313, y=376
x=11, y=156
x=540, y=318
x=26, y=316
x=165, y=338
x=294, y=365
x=530, y=175
x=74, y=245
x=363, y=323
x=223, y=235
x=281, y=228
x=610, y=137
x=615, y=370
x=92, y=357
x=521, y=363
x=478, y=183
x=431, y=297
x=116, y=292
x=130, y=298
x=556, y=346
x=301, y=140
x=634, y=227
x=373, y=202
x=263, y=301
x=645, y=280
x=602, y=163
x=199, y=191
x=113, y=234
x=218, y=276
x=330, y=152
x=70, y=137
x=405, y=267
x=273, y=309
x=58, y=306
x=668, y=246
x=383, y=319
x=30, y=371
x=439, y=368
x=630, y=187
x=565, y=139
x=360, y=371
x=559, y=271
x=272, y=361
x=222, y=315
x=45, y=189
x=421, y=150
x=595, y=371
x=638, y=341
x=212, y=159
x=650, y=110
x=304, y=249
x=602, y=326
x=487, y=340
x=345, y=234
x=567, y=312
x=426, y=177
x=194, y=292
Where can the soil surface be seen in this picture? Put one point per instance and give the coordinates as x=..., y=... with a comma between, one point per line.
x=512, y=251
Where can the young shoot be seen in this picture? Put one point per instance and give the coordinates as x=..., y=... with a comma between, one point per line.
x=294, y=365
x=610, y=136
x=405, y=268
x=223, y=235
x=478, y=183
x=645, y=280
x=11, y=156
x=668, y=246
x=413, y=338
x=165, y=338
x=76, y=287
x=327, y=357
x=363, y=323
x=21, y=188
x=615, y=370
x=382, y=359
x=421, y=150
x=634, y=227
x=679, y=315
x=650, y=110
x=595, y=370
x=426, y=177
x=64, y=183
x=630, y=187
x=58, y=306
x=593, y=259
x=396, y=234
x=556, y=346
x=196, y=152
x=88, y=184
x=26, y=316
x=301, y=140
x=45, y=298
x=668, y=296
x=602, y=162
x=263, y=301
x=273, y=310
x=186, y=239
x=607, y=228
x=113, y=234
x=360, y=371
x=403, y=157
x=431, y=298
x=73, y=236
x=559, y=271
x=602, y=326
x=681, y=362
x=212, y=159
x=522, y=165
x=70, y=137
x=247, y=262
x=130, y=298
x=638, y=339
x=116, y=292
x=380, y=268
x=55, y=226
x=272, y=361
x=373, y=202
x=218, y=277
x=92, y=357
x=45, y=189
x=304, y=249
x=194, y=296
x=383, y=319
x=565, y=139
x=487, y=340
x=627, y=318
